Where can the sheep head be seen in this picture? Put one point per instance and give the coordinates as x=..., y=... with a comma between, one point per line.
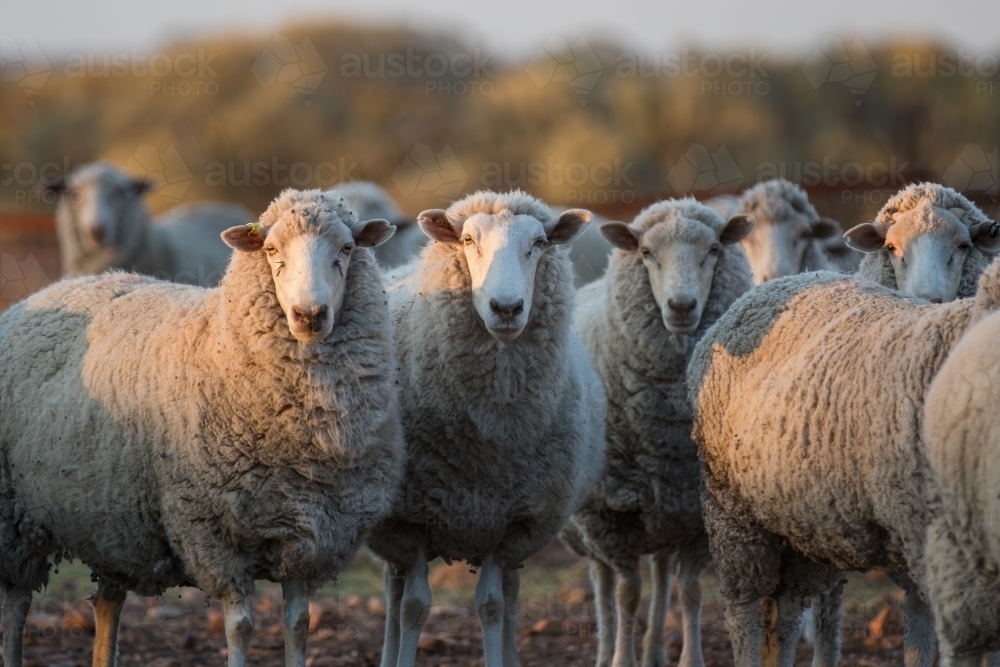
x=679, y=255
x=307, y=239
x=502, y=250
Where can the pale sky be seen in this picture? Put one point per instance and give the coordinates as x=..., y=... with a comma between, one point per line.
x=515, y=28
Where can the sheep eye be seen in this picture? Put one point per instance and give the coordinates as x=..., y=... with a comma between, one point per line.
x=468, y=240
x=347, y=249
x=890, y=247
x=270, y=250
x=714, y=250
x=539, y=242
x=646, y=252
x=963, y=246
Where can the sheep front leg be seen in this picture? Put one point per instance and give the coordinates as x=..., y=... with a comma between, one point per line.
x=602, y=578
x=295, y=612
x=490, y=608
x=238, y=619
x=827, y=623
x=746, y=630
x=414, y=608
x=918, y=630
x=654, y=650
x=511, y=591
x=108, y=601
x=394, y=582
x=783, y=630
x=15, y=615
x=628, y=590
x=693, y=564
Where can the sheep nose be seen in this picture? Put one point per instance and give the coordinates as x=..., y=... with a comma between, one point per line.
x=935, y=299
x=313, y=318
x=507, y=310
x=682, y=306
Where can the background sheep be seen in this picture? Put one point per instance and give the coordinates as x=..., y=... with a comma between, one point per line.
x=102, y=223
x=676, y=270
x=962, y=435
x=807, y=397
x=370, y=201
x=170, y=435
x=502, y=410
x=927, y=241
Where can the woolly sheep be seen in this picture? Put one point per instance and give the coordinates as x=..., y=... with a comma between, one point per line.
x=927, y=241
x=102, y=223
x=173, y=435
x=677, y=268
x=370, y=201
x=962, y=437
x=502, y=410
x=789, y=235
x=807, y=396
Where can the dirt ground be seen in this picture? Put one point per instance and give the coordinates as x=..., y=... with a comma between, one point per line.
x=555, y=619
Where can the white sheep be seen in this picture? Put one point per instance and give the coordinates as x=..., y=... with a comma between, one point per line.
x=370, y=201
x=503, y=411
x=676, y=270
x=927, y=241
x=807, y=396
x=102, y=223
x=172, y=435
x=962, y=440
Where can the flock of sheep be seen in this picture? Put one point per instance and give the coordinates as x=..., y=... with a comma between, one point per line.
x=704, y=399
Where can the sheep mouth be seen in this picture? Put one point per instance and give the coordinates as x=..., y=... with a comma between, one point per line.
x=506, y=332
x=683, y=326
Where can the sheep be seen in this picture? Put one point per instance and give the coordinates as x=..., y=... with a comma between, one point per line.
x=676, y=269
x=370, y=201
x=170, y=435
x=927, y=241
x=961, y=435
x=503, y=412
x=807, y=397
x=789, y=236
x=102, y=223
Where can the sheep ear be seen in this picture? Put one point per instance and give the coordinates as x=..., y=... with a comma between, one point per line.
x=245, y=238
x=374, y=233
x=570, y=225
x=737, y=228
x=620, y=235
x=825, y=228
x=986, y=236
x=865, y=237
x=436, y=224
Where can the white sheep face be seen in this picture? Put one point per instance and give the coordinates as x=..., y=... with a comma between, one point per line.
x=777, y=248
x=95, y=203
x=927, y=247
x=309, y=268
x=679, y=256
x=502, y=251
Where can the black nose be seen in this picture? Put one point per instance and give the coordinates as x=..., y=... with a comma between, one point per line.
x=936, y=299
x=507, y=311
x=682, y=306
x=311, y=318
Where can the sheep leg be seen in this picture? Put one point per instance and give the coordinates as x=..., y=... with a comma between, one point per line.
x=918, y=630
x=787, y=628
x=991, y=659
x=628, y=590
x=414, y=608
x=238, y=618
x=654, y=650
x=746, y=630
x=108, y=601
x=511, y=590
x=15, y=615
x=394, y=583
x=602, y=577
x=827, y=621
x=490, y=608
x=693, y=564
x=295, y=610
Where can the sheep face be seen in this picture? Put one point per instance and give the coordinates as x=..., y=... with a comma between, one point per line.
x=776, y=248
x=308, y=264
x=502, y=251
x=95, y=202
x=679, y=256
x=927, y=247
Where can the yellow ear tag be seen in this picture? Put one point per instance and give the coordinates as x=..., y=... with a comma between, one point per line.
x=254, y=228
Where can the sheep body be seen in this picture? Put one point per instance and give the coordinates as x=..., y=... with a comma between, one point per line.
x=807, y=398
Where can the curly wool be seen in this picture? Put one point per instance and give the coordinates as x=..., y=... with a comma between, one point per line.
x=648, y=497
x=503, y=438
x=169, y=435
x=877, y=267
x=961, y=432
x=807, y=397
x=777, y=200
